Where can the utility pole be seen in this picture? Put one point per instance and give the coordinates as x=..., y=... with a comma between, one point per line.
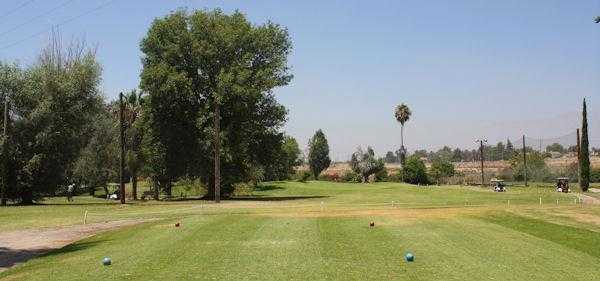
x=5, y=154
x=122, y=146
x=481, y=158
x=524, y=161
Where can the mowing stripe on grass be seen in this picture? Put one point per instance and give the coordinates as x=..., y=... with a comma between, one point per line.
x=351, y=249
x=580, y=239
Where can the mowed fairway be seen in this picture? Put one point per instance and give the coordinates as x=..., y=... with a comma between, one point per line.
x=320, y=231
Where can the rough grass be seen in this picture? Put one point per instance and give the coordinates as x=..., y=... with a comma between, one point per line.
x=286, y=233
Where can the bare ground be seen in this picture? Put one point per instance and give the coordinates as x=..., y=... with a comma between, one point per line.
x=19, y=246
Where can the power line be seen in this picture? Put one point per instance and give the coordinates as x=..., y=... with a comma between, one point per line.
x=15, y=9
x=36, y=17
x=58, y=24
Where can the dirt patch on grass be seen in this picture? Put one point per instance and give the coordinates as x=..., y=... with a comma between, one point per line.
x=587, y=199
x=379, y=212
x=19, y=246
x=582, y=217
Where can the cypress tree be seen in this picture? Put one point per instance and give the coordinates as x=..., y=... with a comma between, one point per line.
x=318, y=155
x=584, y=152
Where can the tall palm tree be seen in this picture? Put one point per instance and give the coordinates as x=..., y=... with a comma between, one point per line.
x=402, y=114
x=132, y=111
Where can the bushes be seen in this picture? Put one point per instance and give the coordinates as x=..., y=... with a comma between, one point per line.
x=537, y=170
x=350, y=177
x=303, y=176
x=396, y=177
x=329, y=177
x=595, y=176
x=441, y=169
x=414, y=171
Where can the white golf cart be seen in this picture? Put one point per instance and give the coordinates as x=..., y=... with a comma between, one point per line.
x=498, y=185
x=562, y=184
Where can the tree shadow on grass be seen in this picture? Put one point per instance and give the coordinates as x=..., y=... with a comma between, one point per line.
x=108, y=203
x=275, y=198
x=10, y=257
x=267, y=187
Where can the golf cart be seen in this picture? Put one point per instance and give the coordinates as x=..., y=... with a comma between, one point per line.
x=562, y=185
x=498, y=185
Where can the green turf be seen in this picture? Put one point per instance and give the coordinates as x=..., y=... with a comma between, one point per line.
x=283, y=234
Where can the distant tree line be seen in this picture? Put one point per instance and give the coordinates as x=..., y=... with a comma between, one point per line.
x=500, y=151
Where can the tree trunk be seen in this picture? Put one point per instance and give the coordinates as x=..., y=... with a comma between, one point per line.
x=122, y=149
x=134, y=186
x=217, y=144
x=156, y=185
x=27, y=197
x=210, y=189
x=169, y=188
x=402, y=135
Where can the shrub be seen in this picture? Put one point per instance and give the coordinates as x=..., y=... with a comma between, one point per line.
x=382, y=175
x=304, y=176
x=350, y=176
x=329, y=177
x=506, y=174
x=595, y=175
x=243, y=189
x=414, y=171
x=396, y=177
x=441, y=169
x=536, y=167
x=365, y=164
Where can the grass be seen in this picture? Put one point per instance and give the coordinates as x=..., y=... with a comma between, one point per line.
x=319, y=231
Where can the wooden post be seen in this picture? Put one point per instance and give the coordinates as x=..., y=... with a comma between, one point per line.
x=122, y=146
x=217, y=148
x=524, y=161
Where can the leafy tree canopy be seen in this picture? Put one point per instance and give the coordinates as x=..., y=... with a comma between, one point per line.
x=193, y=60
x=364, y=163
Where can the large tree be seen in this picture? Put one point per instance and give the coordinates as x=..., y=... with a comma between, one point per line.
x=365, y=164
x=97, y=164
x=414, y=171
x=402, y=114
x=209, y=77
x=584, y=152
x=318, y=153
x=51, y=119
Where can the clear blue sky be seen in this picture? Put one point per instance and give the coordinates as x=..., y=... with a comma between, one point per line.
x=468, y=69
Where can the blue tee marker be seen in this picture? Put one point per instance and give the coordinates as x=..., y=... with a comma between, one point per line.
x=409, y=257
